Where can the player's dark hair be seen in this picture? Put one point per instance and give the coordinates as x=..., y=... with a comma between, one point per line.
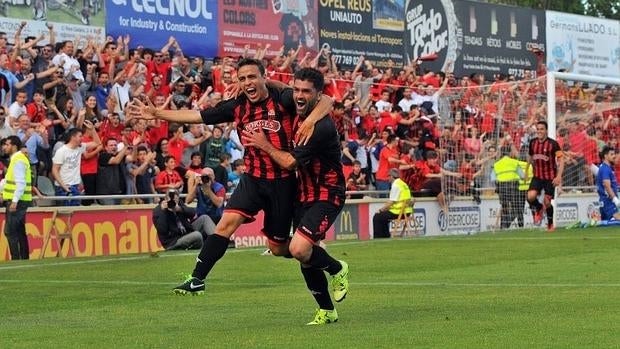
x=544, y=123
x=252, y=61
x=312, y=75
x=606, y=149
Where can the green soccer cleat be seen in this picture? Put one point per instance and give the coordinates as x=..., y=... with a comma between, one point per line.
x=323, y=317
x=340, y=282
x=192, y=285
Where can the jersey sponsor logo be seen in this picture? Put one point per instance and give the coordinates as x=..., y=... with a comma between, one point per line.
x=540, y=157
x=270, y=125
x=460, y=219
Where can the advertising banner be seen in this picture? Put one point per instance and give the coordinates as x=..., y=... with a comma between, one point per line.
x=95, y=234
x=288, y=23
x=364, y=27
x=69, y=18
x=151, y=23
x=583, y=45
x=475, y=37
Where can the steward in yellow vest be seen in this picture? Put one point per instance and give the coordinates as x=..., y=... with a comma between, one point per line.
x=17, y=196
x=507, y=173
x=399, y=201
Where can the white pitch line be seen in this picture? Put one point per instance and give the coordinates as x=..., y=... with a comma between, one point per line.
x=82, y=260
x=380, y=283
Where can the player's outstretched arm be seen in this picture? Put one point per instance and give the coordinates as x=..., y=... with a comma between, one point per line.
x=140, y=110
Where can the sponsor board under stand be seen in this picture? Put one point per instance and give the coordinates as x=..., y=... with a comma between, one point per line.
x=460, y=219
x=416, y=224
x=566, y=213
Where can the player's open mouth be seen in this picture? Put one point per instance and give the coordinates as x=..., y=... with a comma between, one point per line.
x=300, y=103
x=251, y=92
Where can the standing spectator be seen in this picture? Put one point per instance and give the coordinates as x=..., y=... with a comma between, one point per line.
x=400, y=195
x=88, y=168
x=66, y=163
x=238, y=168
x=18, y=108
x=196, y=133
x=161, y=149
x=389, y=158
x=144, y=172
x=109, y=174
x=32, y=139
x=17, y=195
x=221, y=171
x=213, y=146
x=5, y=129
x=168, y=178
x=357, y=180
x=70, y=65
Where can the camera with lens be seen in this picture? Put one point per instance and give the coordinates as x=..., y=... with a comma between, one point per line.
x=205, y=179
x=172, y=203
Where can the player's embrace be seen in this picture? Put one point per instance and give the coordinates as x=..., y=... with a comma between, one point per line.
x=321, y=195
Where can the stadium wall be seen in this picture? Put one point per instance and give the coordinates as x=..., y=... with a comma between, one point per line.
x=101, y=231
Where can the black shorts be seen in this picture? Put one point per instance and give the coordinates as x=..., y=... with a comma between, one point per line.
x=275, y=197
x=542, y=184
x=313, y=220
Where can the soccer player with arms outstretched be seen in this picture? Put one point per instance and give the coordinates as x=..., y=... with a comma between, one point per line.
x=545, y=156
x=266, y=186
x=321, y=195
x=607, y=186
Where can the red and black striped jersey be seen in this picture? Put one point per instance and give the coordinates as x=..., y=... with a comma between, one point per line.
x=319, y=169
x=544, y=155
x=275, y=116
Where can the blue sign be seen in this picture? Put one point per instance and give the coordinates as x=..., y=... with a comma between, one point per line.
x=150, y=23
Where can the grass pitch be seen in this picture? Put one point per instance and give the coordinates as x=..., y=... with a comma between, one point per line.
x=522, y=289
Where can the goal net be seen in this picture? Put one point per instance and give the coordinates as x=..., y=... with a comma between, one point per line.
x=481, y=124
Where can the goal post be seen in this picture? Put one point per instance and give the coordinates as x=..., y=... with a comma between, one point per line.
x=582, y=132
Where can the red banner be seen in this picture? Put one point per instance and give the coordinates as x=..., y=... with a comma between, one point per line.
x=278, y=23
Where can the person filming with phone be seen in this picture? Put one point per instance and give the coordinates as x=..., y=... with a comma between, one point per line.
x=178, y=226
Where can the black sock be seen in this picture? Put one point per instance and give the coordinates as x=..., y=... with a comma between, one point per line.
x=550, y=215
x=317, y=284
x=322, y=260
x=535, y=205
x=212, y=250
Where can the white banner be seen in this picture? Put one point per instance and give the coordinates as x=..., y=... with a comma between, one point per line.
x=583, y=45
x=64, y=31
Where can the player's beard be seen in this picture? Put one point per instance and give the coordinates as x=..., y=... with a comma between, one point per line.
x=307, y=108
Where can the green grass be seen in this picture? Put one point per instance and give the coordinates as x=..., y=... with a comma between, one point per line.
x=510, y=290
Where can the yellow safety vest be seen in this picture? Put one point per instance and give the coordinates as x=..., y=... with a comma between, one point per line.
x=10, y=185
x=523, y=185
x=506, y=169
x=403, y=199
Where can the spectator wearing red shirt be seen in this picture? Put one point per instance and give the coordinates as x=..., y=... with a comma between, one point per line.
x=177, y=144
x=88, y=168
x=389, y=158
x=36, y=110
x=169, y=178
x=430, y=175
x=111, y=127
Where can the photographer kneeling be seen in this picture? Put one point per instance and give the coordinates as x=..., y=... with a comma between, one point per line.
x=178, y=227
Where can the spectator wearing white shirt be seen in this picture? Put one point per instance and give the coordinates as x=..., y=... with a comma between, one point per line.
x=69, y=64
x=18, y=108
x=407, y=101
x=384, y=103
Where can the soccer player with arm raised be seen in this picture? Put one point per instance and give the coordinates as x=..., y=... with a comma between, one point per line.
x=266, y=186
x=321, y=195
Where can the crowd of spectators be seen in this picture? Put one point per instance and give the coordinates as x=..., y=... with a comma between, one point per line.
x=66, y=101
